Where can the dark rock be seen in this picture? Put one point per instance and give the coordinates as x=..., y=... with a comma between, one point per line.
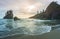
x=52, y=12
x=39, y=16
x=16, y=18
x=9, y=15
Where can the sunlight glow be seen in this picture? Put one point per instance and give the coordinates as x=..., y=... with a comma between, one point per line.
x=22, y=15
x=32, y=7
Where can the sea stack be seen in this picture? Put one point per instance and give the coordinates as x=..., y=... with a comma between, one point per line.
x=8, y=15
x=16, y=18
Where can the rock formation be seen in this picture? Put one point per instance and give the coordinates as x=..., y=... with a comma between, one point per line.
x=16, y=18
x=52, y=12
x=9, y=15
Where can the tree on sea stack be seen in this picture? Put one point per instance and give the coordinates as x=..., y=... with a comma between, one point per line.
x=8, y=15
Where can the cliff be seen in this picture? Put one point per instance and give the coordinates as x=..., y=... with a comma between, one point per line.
x=52, y=12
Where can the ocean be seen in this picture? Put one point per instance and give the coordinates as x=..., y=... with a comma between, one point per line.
x=9, y=27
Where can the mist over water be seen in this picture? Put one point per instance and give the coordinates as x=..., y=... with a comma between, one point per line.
x=9, y=27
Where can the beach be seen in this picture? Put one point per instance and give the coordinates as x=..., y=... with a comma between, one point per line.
x=55, y=34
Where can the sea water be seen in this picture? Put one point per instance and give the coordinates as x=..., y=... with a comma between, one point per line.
x=9, y=27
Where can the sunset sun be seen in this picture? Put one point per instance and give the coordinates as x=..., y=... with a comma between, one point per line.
x=32, y=7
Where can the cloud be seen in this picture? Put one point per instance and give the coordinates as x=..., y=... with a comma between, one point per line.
x=15, y=3
x=21, y=6
x=12, y=4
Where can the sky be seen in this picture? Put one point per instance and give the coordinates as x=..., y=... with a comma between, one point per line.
x=24, y=8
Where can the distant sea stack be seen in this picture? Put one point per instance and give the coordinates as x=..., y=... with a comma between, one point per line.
x=52, y=12
x=9, y=15
x=16, y=18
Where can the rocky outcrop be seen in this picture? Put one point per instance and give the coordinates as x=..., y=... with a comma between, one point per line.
x=52, y=12
x=16, y=18
x=9, y=15
x=39, y=16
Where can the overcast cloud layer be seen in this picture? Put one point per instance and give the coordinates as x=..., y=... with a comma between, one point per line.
x=12, y=4
x=21, y=5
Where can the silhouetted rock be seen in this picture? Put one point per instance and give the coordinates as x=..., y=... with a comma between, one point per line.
x=39, y=16
x=16, y=18
x=52, y=12
x=9, y=15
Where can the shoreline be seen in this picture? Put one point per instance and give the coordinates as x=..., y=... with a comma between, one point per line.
x=55, y=34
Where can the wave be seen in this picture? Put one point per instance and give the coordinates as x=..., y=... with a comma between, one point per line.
x=25, y=26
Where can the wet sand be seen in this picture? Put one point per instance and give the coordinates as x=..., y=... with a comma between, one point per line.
x=55, y=34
